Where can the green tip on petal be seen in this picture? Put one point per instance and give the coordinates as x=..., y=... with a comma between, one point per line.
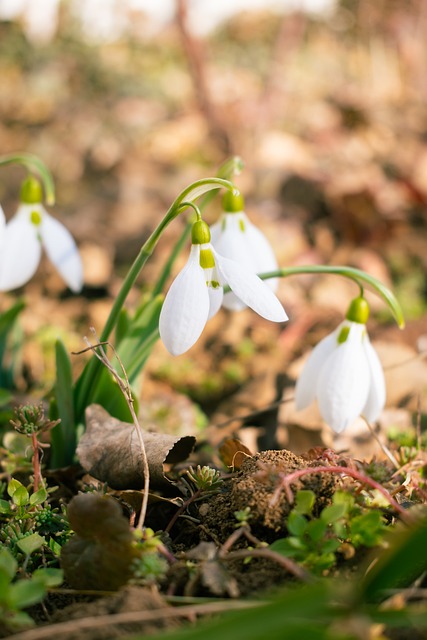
x=233, y=201
x=31, y=191
x=358, y=310
x=200, y=233
x=207, y=260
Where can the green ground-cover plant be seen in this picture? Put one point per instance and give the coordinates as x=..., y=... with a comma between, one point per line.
x=19, y=594
x=341, y=528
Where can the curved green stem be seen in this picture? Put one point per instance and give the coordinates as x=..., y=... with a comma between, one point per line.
x=193, y=191
x=33, y=163
x=361, y=278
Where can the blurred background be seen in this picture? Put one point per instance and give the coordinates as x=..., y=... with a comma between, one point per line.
x=129, y=101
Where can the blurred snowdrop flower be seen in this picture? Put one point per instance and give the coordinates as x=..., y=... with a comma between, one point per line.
x=196, y=293
x=344, y=373
x=2, y=226
x=235, y=237
x=24, y=236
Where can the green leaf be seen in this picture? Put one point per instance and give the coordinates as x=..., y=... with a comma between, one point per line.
x=304, y=502
x=401, y=563
x=5, y=507
x=13, y=486
x=49, y=577
x=333, y=513
x=8, y=564
x=25, y=593
x=293, y=615
x=63, y=436
x=367, y=529
x=297, y=524
x=316, y=529
x=20, y=496
x=38, y=497
x=6, y=397
x=31, y=543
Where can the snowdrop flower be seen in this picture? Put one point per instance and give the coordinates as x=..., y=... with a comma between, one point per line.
x=196, y=293
x=23, y=237
x=344, y=373
x=2, y=226
x=235, y=237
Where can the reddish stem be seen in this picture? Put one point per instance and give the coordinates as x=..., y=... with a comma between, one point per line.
x=182, y=509
x=295, y=475
x=36, y=462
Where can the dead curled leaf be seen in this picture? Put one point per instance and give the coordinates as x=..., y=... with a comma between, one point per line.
x=100, y=553
x=110, y=451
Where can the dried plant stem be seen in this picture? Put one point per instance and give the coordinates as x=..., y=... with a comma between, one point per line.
x=259, y=552
x=286, y=481
x=182, y=508
x=106, y=621
x=384, y=448
x=288, y=564
x=124, y=385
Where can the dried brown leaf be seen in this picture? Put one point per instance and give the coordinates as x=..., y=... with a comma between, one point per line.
x=100, y=553
x=110, y=451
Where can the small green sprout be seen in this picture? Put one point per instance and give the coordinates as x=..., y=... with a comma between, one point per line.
x=243, y=517
x=205, y=478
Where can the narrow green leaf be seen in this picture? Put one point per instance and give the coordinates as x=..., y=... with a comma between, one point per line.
x=64, y=434
x=400, y=564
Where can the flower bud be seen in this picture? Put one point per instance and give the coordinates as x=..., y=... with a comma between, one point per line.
x=200, y=233
x=233, y=201
x=358, y=310
x=31, y=191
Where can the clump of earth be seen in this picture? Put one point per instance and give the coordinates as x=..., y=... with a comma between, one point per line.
x=255, y=486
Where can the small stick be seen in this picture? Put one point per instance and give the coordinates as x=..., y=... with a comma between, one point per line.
x=384, y=448
x=126, y=390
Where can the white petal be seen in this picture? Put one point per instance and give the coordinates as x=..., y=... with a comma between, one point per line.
x=21, y=251
x=250, y=289
x=186, y=307
x=232, y=302
x=62, y=251
x=343, y=384
x=216, y=295
x=377, y=392
x=260, y=248
x=2, y=223
x=305, y=389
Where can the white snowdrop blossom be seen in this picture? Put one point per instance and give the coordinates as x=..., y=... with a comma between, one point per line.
x=26, y=233
x=344, y=374
x=235, y=237
x=196, y=294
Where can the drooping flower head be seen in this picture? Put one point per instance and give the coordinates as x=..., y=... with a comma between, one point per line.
x=197, y=292
x=344, y=373
x=235, y=237
x=24, y=236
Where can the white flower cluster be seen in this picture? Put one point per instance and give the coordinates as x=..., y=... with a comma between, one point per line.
x=232, y=256
x=22, y=239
